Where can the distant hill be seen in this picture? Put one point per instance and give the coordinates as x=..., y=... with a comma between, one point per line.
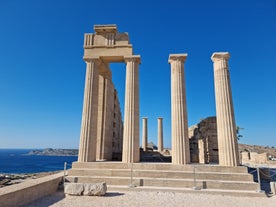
x=74, y=152
x=55, y=152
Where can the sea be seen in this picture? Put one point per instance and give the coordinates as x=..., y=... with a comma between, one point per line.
x=16, y=161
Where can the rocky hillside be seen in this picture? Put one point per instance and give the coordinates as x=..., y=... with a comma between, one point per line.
x=258, y=149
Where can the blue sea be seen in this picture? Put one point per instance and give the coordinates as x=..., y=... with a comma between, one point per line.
x=16, y=161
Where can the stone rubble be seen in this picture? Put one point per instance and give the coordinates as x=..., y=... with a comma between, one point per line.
x=88, y=189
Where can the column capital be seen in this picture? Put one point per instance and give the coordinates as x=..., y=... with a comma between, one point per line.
x=95, y=59
x=144, y=117
x=133, y=58
x=180, y=57
x=220, y=56
x=159, y=117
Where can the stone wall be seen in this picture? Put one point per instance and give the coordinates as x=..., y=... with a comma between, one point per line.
x=203, y=141
x=110, y=124
x=117, y=140
x=254, y=159
x=105, y=119
x=26, y=192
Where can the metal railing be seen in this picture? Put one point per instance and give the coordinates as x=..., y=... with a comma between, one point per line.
x=195, y=187
x=264, y=180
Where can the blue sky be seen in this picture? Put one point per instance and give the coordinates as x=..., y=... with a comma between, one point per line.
x=42, y=72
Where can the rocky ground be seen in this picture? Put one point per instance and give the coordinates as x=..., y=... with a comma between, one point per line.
x=10, y=179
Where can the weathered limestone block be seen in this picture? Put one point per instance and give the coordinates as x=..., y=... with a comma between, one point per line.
x=73, y=188
x=97, y=189
x=90, y=189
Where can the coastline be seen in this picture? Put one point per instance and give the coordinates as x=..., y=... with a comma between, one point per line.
x=54, y=152
x=7, y=179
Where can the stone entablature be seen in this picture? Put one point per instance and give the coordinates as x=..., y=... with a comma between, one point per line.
x=111, y=45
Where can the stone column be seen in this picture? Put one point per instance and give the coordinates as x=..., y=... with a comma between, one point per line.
x=105, y=114
x=131, y=115
x=226, y=127
x=160, y=134
x=88, y=136
x=145, y=134
x=180, y=138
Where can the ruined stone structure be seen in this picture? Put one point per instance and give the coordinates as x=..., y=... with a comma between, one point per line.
x=103, y=135
x=102, y=128
x=204, y=141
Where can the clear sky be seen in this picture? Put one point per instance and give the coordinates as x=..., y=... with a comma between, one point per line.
x=42, y=71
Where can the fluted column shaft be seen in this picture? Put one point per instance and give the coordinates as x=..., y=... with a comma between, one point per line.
x=226, y=127
x=131, y=115
x=180, y=139
x=88, y=136
x=160, y=134
x=105, y=114
x=145, y=134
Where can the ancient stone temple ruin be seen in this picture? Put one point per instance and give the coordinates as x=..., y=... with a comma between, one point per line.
x=102, y=132
x=104, y=136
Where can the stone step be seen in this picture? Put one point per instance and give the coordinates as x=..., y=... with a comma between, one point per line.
x=162, y=174
x=230, y=185
x=123, y=188
x=166, y=182
x=108, y=180
x=160, y=166
x=135, y=181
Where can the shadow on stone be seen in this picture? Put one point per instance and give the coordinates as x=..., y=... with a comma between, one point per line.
x=47, y=200
x=154, y=156
x=113, y=194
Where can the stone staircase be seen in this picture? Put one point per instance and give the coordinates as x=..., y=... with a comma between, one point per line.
x=164, y=176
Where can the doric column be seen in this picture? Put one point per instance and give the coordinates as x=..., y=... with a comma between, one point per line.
x=226, y=127
x=180, y=138
x=105, y=114
x=88, y=136
x=131, y=114
x=145, y=134
x=160, y=134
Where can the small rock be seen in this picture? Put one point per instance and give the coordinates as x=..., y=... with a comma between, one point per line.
x=90, y=189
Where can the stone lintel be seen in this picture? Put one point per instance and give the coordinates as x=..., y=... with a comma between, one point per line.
x=136, y=58
x=106, y=28
x=93, y=58
x=220, y=56
x=181, y=57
